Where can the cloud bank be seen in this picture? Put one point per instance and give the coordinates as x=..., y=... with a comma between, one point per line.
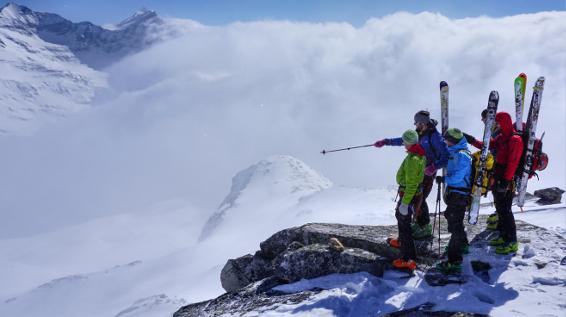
x=181, y=118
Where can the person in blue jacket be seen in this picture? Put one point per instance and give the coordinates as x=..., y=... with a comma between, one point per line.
x=457, y=197
x=436, y=158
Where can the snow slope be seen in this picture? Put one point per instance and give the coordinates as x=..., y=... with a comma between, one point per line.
x=38, y=80
x=152, y=263
x=47, y=63
x=96, y=245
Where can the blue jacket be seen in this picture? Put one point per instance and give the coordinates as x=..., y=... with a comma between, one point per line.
x=459, y=167
x=434, y=146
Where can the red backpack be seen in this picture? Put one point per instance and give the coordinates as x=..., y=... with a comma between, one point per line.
x=540, y=159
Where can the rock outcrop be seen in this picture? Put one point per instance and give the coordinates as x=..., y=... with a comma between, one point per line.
x=293, y=271
x=549, y=196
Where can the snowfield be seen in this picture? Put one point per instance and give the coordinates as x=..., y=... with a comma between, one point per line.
x=160, y=265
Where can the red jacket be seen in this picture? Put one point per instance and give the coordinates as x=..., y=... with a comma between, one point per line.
x=508, y=145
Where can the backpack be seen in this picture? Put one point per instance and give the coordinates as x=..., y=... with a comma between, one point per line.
x=489, y=164
x=540, y=159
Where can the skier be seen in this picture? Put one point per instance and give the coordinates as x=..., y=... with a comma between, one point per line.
x=509, y=148
x=458, y=187
x=409, y=177
x=436, y=158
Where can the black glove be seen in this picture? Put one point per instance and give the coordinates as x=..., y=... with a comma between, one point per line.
x=439, y=179
x=469, y=138
x=502, y=186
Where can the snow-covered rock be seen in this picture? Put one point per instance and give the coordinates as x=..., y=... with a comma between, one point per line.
x=530, y=283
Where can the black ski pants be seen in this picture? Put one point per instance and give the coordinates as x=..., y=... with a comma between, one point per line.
x=422, y=216
x=408, y=251
x=456, y=204
x=506, y=223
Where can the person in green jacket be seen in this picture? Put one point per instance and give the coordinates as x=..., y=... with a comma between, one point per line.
x=409, y=177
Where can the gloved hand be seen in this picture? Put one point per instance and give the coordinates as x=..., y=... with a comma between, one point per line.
x=381, y=143
x=469, y=138
x=404, y=209
x=439, y=179
x=502, y=186
x=430, y=170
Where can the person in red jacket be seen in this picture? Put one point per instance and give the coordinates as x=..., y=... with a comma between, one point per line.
x=508, y=146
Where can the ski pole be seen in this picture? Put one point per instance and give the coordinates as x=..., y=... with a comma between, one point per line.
x=345, y=149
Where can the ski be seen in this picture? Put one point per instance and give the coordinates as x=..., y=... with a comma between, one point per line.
x=520, y=84
x=531, y=129
x=435, y=278
x=444, y=117
x=476, y=190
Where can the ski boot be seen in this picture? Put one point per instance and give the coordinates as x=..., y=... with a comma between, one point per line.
x=394, y=243
x=497, y=242
x=423, y=232
x=492, y=221
x=404, y=265
x=447, y=268
x=415, y=227
x=507, y=248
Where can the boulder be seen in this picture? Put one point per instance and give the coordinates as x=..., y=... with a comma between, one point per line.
x=316, y=260
x=549, y=196
x=309, y=251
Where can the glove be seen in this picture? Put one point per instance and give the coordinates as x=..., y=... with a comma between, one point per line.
x=381, y=143
x=404, y=209
x=439, y=179
x=502, y=186
x=469, y=138
x=430, y=170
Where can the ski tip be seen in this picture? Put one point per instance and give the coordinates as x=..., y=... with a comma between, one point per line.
x=523, y=75
x=494, y=94
x=443, y=84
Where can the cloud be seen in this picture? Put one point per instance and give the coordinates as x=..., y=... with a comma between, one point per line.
x=184, y=116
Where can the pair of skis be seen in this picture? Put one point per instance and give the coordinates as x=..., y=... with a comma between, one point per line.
x=530, y=133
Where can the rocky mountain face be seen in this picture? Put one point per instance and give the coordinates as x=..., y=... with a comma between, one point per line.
x=282, y=275
x=48, y=64
x=93, y=45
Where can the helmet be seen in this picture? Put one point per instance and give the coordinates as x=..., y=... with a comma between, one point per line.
x=542, y=162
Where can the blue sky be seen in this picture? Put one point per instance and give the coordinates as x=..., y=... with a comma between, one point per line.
x=215, y=12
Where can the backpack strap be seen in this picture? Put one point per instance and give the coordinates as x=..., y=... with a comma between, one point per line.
x=469, y=182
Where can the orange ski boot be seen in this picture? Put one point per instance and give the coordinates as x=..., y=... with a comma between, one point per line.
x=406, y=265
x=394, y=243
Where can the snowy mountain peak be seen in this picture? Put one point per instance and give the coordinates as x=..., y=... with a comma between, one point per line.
x=141, y=16
x=14, y=14
x=254, y=188
x=281, y=173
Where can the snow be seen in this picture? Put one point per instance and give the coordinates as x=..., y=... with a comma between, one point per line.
x=550, y=217
x=517, y=287
x=164, y=266
x=39, y=81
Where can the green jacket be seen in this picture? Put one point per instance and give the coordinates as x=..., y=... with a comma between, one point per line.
x=411, y=172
